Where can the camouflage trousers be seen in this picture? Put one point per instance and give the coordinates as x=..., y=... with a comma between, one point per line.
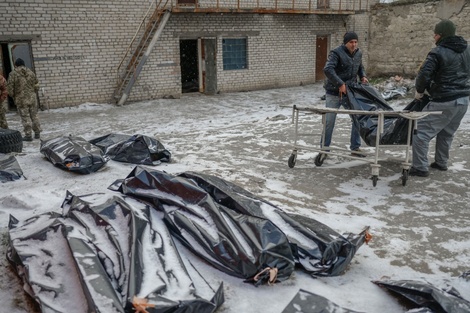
x=3, y=112
x=29, y=118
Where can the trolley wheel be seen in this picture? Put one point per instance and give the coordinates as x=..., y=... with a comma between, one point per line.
x=374, y=178
x=404, y=177
x=319, y=159
x=292, y=160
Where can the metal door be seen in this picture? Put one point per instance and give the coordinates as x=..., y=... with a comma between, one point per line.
x=210, y=62
x=17, y=50
x=321, y=57
x=21, y=50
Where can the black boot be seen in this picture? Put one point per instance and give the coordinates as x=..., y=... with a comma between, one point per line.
x=27, y=138
x=415, y=172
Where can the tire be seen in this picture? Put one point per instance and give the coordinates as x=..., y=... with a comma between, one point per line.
x=292, y=160
x=404, y=177
x=374, y=178
x=319, y=159
x=10, y=141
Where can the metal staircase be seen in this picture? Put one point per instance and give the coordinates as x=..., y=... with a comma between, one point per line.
x=138, y=51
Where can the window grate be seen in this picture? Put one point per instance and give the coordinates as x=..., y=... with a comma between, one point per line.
x=234, y=54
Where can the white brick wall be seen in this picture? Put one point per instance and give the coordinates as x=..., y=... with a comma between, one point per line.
x=82, y=42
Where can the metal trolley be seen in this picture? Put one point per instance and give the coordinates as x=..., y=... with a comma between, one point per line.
x=412, y=118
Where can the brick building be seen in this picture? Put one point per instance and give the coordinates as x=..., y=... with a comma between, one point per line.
x=123, y=51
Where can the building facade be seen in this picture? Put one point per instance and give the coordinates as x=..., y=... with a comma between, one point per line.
x=80, y=49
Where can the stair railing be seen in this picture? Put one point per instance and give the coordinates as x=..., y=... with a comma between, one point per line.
x=152, y=14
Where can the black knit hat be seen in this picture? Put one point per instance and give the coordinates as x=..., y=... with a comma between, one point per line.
x=19, y=62
x=349, y=36
x=445, y=28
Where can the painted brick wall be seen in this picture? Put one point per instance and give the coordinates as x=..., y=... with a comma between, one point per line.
x=281, y=48
x=81, y=43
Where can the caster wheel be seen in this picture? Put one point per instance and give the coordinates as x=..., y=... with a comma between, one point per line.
x=292, y=160
x=404, y=177
x=319, y=159
x=374, y=178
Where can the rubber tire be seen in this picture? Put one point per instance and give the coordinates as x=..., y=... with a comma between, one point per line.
x=319, y=159
x=10, y=141
x=404, y=177
x=292, y=160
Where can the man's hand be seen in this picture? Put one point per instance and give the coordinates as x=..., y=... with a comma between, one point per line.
x=418, y=95
x=364, y=80
x=342, y=89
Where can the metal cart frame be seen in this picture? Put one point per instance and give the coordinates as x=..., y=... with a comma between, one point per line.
x=412, y=118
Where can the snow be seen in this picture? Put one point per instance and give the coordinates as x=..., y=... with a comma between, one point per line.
x=420, y=231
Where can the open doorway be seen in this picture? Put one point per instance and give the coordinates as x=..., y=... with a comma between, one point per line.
x=10, y=52
x=189, y=61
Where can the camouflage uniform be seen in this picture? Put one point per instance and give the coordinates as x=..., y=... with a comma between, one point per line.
x=3, y=108
x=22, y=86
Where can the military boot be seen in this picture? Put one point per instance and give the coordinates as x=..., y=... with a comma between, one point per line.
x=27, y=138
x=37, y=135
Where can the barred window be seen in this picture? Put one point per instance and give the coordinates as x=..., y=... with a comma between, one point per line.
x=234, y=53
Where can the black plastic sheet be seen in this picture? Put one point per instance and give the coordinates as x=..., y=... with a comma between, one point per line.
x=240, y=245
x=426, y=296
x=234, y=215
x=136, y=149
x=10, y=170
x=74, y=154
x=308, y=302
x=104, y=255
x=318, y=249
x=395, y=129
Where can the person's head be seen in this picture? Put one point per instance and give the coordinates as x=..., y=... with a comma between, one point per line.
x=350, y=41
x=443, y=29
x=19, y=62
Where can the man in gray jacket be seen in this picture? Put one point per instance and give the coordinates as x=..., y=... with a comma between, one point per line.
x=22, y=86
x=445, y=76
x=344, y=66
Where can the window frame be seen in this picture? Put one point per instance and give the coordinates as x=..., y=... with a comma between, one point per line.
x=235, y=53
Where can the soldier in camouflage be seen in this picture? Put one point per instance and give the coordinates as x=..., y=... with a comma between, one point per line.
x=3, y=108
x=22, y=86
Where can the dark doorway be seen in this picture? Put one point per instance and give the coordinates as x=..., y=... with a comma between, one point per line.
x=189, y=65
x=321, y=57
x=10, y=52
x=7, y=65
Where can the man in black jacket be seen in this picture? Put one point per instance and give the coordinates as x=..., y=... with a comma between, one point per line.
x=445, y=76
x=344, y=66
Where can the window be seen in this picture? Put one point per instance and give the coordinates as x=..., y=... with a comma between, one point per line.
x=234, y=54
x=323, y=4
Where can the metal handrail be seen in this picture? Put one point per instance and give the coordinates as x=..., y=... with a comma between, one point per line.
x=147, y=17
x=312, y=6
x=134, y=37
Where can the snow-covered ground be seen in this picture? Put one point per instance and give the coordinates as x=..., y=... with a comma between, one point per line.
x=420, y=231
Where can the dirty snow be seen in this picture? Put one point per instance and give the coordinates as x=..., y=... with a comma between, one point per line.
x=420, y=231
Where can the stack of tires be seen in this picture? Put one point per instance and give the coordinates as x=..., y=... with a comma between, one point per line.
x=10, y=141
